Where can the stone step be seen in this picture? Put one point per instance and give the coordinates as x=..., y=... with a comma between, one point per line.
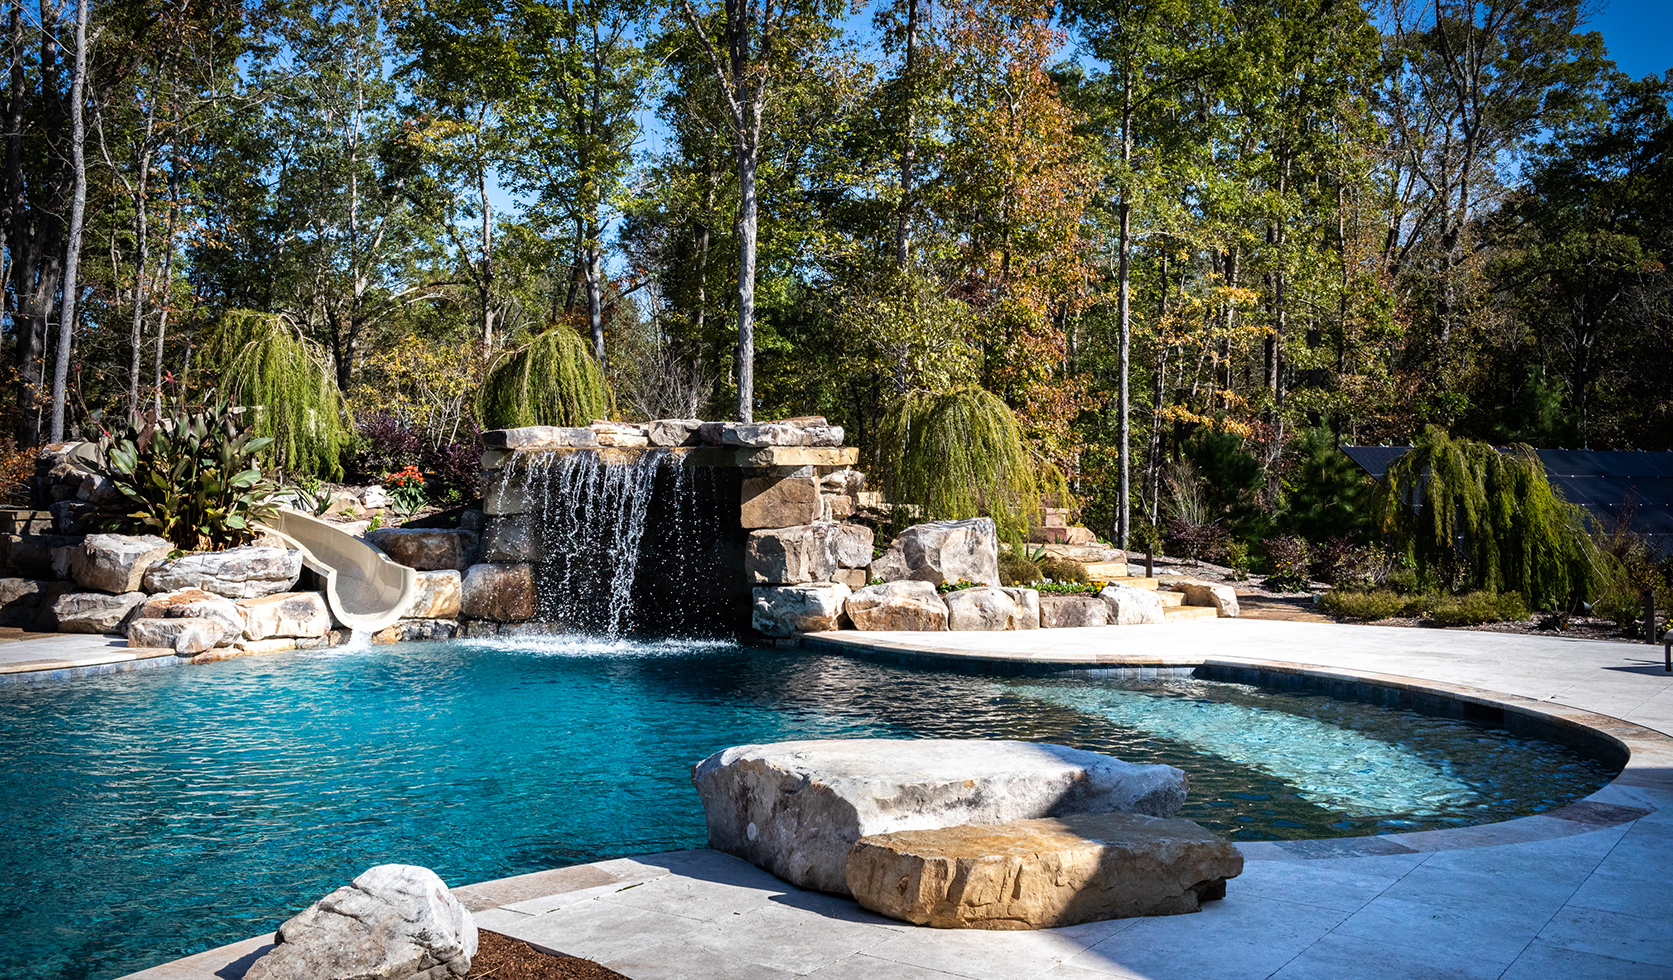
x=1177, y=614
x=1115, y=571
x=1170, y=600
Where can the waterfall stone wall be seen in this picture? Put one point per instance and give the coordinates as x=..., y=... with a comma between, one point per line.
x=615, y=529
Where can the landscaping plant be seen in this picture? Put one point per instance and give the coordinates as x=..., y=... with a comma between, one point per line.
x=266, y=364
x=1289, y=560
x=406, y=489
x=193, y=478
x=1471, y=515
x=551, y=380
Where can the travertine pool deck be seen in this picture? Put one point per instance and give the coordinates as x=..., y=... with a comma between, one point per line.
x=1576, y=894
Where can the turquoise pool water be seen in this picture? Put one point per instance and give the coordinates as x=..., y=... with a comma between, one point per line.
x=155, y=814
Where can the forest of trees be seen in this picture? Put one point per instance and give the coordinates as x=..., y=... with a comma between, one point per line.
x=1128, y=219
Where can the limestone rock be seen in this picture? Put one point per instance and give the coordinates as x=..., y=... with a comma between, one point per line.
x=620, y=434
x=981, y=608
x=854, y=578
x=195, y=604
x=774, y=502
x=506, y=494
x=93, y=612
x=437, y=597
x=907, y=605
x=1128, y=606
x=835, y=507
x=1042, y=874
x=502, y=593
x=418, y=630
x=537, y=437
x=675, y=432
x=789, y=609
x=943, y=551
x=1222, y=597
x=853, y=543
x=1069, y=611
x=796, y=808
x=396, y=921
x=427, y=549
x=237, y=573
x=1028, y=608
x=790, y=555
x=847, y=481
x=513, y=538
x=186, y=636
x=116, y=562
x=290, y=614
x=375, y=498
x=714, y=433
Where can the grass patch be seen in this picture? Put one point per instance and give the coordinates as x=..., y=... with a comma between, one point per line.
x=1470, y=609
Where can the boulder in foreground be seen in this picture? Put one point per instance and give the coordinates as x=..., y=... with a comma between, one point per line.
x=394, y=922
x=790, y=609
x=1041, y=874
x=943, y=551
x=908, y=605
x=796, y=808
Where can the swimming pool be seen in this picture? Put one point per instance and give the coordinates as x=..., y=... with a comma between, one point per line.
x=154, y=814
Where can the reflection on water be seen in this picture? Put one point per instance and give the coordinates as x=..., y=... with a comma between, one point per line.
x=158, y=813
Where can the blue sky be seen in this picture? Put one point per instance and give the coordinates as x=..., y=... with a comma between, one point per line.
x=1639, y=34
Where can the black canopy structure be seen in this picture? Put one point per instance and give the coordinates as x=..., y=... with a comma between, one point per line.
x=1603, y=483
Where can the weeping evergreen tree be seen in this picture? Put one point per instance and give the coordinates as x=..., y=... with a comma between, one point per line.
x=551, y=380
x=1469, y=513
x=959, y=454
x=266, y=364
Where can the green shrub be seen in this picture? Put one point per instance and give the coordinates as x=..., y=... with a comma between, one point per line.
x=1325, y=494
x=1068, y=588
x=193, y=479
x=1374, y=605
x=959, y=454
x=551, y=380
x=1476, y=608
x=266, y=364
x=958, y=585
x=1015, y=570
x=1230, y=480
x=1062, y=569
x=1288, y=559
x=1471, y=515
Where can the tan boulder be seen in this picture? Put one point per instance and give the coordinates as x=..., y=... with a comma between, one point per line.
x=195, y=604
x=1072, y=611
x=1222, y=597
x=620, y=434
x=1044, y=873
x=427, y=549
x=908, y=605
x=437, y=596
x=774, y=502
x=1028, y=608
x=981, y=608
x=502, y=593
x=186, y=636
x=1129, y=606
x=289, y=614
x=115, y=562
x=791, y=555
x=785, y=610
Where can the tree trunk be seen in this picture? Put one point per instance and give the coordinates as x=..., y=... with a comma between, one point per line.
x=1124, y=317
x=78, y=208
x=908, y=145
x=747, y=217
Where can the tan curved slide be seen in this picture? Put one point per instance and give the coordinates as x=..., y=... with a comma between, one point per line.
x=367, y=591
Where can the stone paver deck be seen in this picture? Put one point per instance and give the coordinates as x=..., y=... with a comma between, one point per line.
x=1575, y=894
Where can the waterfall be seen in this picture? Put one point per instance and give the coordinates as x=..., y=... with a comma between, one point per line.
x=617, y=535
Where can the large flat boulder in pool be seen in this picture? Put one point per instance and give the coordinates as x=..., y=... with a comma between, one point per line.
x=796, y=808
x=1042, y=874
x=394, y=922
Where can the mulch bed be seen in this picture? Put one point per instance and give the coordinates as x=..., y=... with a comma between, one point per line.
x=504, y=958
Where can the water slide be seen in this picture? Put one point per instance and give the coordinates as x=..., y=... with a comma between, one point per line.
x=366, y=590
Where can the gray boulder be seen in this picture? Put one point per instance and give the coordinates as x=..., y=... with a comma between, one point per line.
x=93, y=612
x=116, y=562
x=620, y=434
x=943, y=551
x=786, y=610
x=1128, y=606
x=185, y=636
x=395, y=922
x=908, y=605
x=193, y=604
x=790, y=555
x=513, y=538
x=237, y=573
x=981, y=608
x=675, y=432
x=1072, y=611
x=1028, y=608
x=853, y=544
x=797, y=808
x=537, y=437
x=20, y=600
